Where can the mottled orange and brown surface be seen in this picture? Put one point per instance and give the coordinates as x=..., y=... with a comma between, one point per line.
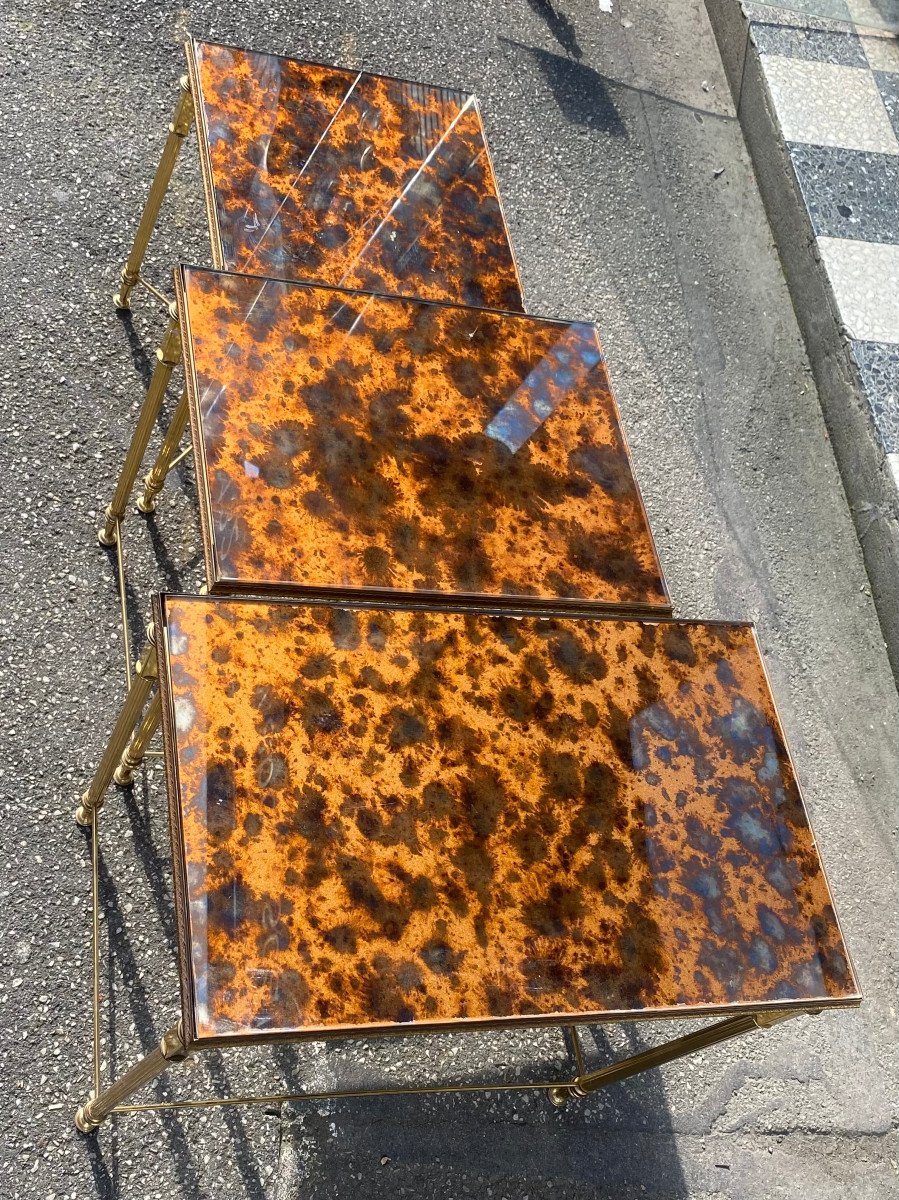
x=347, y=440
x=392, y=818
x=349, y=178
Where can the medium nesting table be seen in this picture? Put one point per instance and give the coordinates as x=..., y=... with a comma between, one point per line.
x=343, y=177
x=349, y=441
x=397, y=821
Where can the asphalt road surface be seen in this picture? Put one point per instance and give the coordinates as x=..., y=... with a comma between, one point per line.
x=631, y=202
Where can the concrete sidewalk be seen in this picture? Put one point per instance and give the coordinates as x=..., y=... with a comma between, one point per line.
x=632, y=202
x=818, y=101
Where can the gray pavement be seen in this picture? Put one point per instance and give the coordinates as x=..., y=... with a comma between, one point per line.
x=632, y=202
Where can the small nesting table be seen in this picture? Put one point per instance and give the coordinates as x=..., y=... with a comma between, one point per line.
x=406, y=820
x=344, y=177
x=349, y=441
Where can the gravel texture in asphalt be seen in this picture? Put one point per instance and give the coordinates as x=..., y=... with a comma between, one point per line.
x=631, y=202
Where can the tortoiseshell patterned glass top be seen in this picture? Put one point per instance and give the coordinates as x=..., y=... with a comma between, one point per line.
x=350, y=179
x=411, y=818
x=348, y=440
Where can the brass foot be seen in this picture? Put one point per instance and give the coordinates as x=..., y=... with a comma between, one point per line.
x=84, y=1122
x=108, y=534
x=82, y=817
x=84, y=813
x=559, y=1096
x=170, y=1049
x=122, y=298
x=123, y=776
x=146, y=501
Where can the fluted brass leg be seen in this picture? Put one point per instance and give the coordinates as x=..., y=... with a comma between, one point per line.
x=167, y=358
x=710, y=1035
x=153, y=482
x=178, y=131
x=133, y=755
x=145, y=675
x=171, y=1049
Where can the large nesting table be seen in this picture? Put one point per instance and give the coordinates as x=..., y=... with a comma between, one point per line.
x=406, y=820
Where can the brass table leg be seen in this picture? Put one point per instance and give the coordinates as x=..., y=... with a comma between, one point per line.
x=711, y=1035
x=133, y=755
x=171, y=1049
x=153, y=482
x=168, y=356
x=145, y=674
x=178, y=131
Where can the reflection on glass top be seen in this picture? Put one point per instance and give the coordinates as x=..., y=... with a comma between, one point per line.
x=399, y=818
x=861, y=14
x=371, y=442
x=351, y=179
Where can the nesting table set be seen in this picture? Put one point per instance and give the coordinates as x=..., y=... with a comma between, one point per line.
x=437, y=755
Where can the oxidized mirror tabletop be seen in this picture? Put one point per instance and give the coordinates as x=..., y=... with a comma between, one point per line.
x=400, y=818
x=349, y=440
x=347, y=178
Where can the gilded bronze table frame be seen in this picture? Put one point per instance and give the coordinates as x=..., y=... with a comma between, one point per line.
x=123, y=755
